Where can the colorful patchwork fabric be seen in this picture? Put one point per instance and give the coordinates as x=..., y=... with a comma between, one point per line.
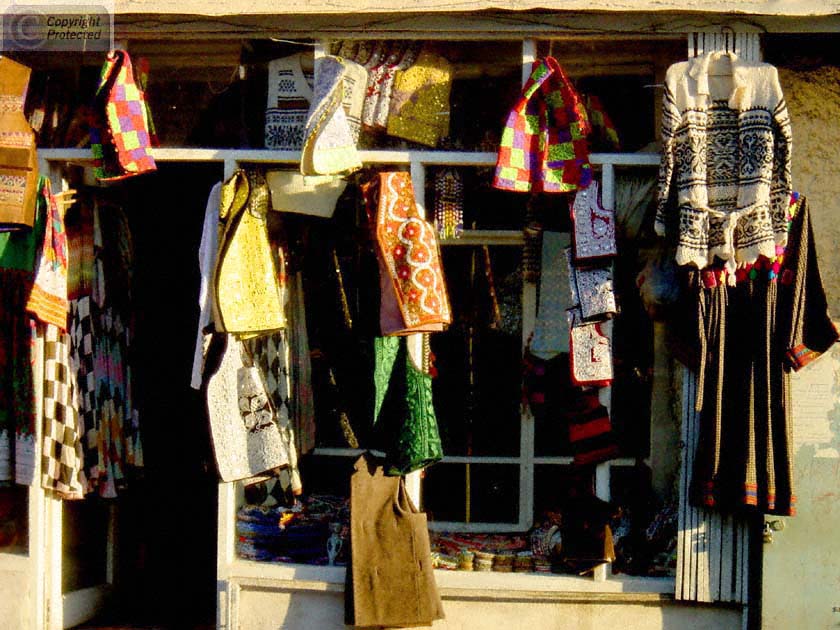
x=604, y=135
x=48, y=298
x=119, y=129
x=543, y=146
x=143, y=83
x=409, y=256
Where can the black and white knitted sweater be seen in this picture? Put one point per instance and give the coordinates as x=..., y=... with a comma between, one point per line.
x=726, y=154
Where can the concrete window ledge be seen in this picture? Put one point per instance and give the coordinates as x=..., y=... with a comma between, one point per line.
x=465, y=585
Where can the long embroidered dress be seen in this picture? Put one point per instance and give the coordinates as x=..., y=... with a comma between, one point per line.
x=744, y=339
x=101, y=331
x=17, y=396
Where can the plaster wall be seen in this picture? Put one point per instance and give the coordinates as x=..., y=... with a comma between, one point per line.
x=16, y=608
x=813, y=99
x=262, y=7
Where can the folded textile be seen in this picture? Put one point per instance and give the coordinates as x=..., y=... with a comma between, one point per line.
x=329, y=147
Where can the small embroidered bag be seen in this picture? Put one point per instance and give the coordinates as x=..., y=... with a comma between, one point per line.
x=594, y=226
x=590, y=352
x=592, y=291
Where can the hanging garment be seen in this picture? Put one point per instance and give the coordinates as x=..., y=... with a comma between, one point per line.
x=48, y=298
x=62, y=458
x=590, y=429
x=120, y=130
x=248, y=437
x=593, y=226
x=416, y=440
x=726, y=154
x=744, y=338
x=80, y=286
x=17, y=394
x=405, y=57
x=143, y=84
x=381, y=80
x=592, y=291
x=270, y=355
x=390, y=581
x=543, y=146
x=603, y=135
x=414, y=297
x=18, y=160
x=289, y=97
x=539, y=382
x=248, y=293
x=303, y=404
x=329, y=147
x=207, y=251
x=551, y=330
x=101, y=338
x=590, y=352
x=419, y=110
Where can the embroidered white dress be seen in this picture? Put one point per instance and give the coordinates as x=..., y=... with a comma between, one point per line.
x=726, y=155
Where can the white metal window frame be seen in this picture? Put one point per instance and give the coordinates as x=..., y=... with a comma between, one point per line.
x=232, y=572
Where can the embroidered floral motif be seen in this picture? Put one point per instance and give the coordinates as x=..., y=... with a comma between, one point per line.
x=409, y=249
x=594, y=226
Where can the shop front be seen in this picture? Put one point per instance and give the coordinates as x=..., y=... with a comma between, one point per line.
x=420, y=253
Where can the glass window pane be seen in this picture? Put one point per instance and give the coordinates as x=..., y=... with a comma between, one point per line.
x=646, y=531
x=556, y=485
x=14, y=519
x=493, y=490
x=84, y=543
x=484, y=207
x=477, y=389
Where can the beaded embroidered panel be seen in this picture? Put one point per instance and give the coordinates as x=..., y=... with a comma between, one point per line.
x=408, y=245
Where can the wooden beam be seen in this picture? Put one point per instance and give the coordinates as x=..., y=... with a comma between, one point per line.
x=496, y=25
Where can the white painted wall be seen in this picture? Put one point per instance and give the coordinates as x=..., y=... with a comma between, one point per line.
x=801, y=575
x=16, y=602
